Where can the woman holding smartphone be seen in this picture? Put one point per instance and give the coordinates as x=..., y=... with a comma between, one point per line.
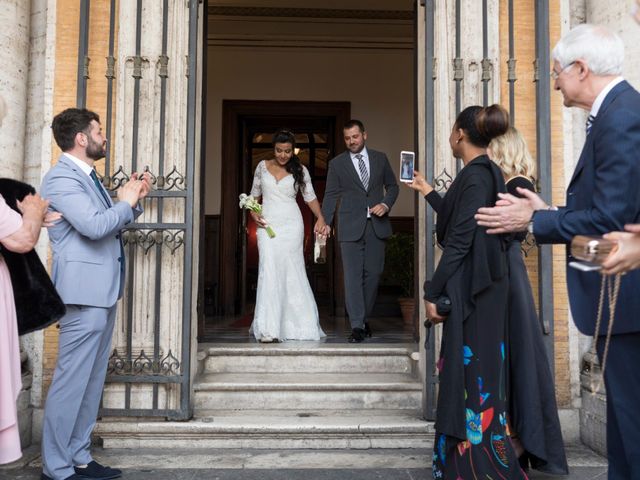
x=472, y=431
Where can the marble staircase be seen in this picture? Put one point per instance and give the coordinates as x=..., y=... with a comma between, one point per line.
x=294, y=395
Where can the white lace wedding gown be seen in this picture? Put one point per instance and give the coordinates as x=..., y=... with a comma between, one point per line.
x=285, y=306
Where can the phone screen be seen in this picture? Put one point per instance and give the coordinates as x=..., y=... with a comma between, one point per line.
x=585, y=266
x=407, y=166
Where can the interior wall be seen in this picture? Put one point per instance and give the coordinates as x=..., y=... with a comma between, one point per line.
x=377, y=82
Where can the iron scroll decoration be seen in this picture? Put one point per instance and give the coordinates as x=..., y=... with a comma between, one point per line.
x=172, y=181
x=143, y=365
x=147, y=238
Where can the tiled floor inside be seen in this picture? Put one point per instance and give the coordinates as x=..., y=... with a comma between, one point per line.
x=235, y=329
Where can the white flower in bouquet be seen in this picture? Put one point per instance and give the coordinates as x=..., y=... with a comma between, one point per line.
x=249, y=203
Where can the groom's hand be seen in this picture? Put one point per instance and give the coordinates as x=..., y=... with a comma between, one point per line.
x=379, y=210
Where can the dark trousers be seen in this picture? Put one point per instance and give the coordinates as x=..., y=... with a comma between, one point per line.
x=622, y=381
x=363, y=262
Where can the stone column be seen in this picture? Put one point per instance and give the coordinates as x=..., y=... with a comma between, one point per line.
x=14, y=57
x=27, y=35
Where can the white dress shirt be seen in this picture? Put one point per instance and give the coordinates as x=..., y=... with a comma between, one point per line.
x=356, y=165
x=84, y=166
x=597, y=103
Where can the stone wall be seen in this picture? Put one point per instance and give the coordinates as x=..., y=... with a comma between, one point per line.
x=14, y=57
x=614, y=15
x=25, y=36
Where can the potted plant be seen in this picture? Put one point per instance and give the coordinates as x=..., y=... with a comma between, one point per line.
x=399, y=257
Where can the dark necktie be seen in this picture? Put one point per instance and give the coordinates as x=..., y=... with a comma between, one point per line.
x=590, y=120
x=94, y=177
x=103, y=193
x=364, y=175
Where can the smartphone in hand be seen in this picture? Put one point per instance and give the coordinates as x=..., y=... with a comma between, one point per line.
x=407, y=165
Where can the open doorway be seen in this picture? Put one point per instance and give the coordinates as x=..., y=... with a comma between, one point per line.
x=308, y=69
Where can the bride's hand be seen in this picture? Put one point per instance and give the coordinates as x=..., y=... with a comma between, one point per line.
x=259, y=219
x=320, y=227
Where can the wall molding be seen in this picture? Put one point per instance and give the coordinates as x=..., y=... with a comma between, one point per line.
x=330, y=13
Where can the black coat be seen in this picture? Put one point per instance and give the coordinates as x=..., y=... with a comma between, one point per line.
x=38, y=305
x=472, y=272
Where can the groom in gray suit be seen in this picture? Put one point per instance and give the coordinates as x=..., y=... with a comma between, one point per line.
x=88, y=272
x=362, y=181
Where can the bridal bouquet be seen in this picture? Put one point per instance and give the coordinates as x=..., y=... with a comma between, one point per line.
x=249, y=203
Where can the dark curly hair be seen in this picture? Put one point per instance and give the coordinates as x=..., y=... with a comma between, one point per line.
x=293, y=166
x=483, y=124
x=70, y=122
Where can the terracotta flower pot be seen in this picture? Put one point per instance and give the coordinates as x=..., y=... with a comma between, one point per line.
x=407, y=307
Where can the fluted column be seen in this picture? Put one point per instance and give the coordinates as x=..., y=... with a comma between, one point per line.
x=14, y=58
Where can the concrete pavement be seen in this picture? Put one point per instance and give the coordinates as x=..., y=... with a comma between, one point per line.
x=172, y=464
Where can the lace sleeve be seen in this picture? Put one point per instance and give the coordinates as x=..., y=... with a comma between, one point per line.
x=256, y=188
x=308, y=194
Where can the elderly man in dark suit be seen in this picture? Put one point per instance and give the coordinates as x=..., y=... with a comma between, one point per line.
x=362, y=180
x=602, y=196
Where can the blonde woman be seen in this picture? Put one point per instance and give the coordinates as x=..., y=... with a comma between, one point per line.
x=533, y=413
x=510, y=153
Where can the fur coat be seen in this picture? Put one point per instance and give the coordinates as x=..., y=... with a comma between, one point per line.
x=38, y=305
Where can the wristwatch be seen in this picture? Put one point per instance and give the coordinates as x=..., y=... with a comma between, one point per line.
x=530, y=226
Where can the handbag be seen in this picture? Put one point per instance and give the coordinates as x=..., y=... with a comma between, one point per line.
x=37, y=302
x=591, y=248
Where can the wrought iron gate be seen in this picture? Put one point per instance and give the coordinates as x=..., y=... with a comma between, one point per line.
x=152, y=123
x=441, y=179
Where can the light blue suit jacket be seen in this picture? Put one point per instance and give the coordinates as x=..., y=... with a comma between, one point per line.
x=86, y=241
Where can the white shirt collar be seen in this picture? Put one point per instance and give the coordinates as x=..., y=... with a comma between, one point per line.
x=363, y=152
x=83, y=165
x=595, y=108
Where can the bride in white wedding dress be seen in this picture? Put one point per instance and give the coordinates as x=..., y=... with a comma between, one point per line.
x=285, y=306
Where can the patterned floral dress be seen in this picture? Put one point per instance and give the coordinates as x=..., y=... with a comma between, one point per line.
x=472, y=434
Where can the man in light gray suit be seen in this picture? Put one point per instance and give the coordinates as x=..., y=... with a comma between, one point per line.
x=362, y=181
x=88, y=272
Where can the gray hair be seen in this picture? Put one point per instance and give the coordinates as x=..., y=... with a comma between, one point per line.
x=600, y=48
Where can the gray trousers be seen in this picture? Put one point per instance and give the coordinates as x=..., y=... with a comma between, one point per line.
x=363, y=262
x=74, y=396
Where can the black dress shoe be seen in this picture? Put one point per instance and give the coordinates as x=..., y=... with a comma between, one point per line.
x=523, y=460
x=96, y=471
x=357, y=335
x=367, y=330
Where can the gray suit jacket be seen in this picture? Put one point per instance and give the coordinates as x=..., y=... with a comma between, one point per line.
x=344, y=185
x=86, y=241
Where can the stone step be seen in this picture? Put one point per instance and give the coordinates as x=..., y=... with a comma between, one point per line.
x=305, y=357
x=272, y=430
x=331, y=391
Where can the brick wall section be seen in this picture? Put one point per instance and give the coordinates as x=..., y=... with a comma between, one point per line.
x=525, y=121
x=67, y=28
x=560, y=297
x=98, y=52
